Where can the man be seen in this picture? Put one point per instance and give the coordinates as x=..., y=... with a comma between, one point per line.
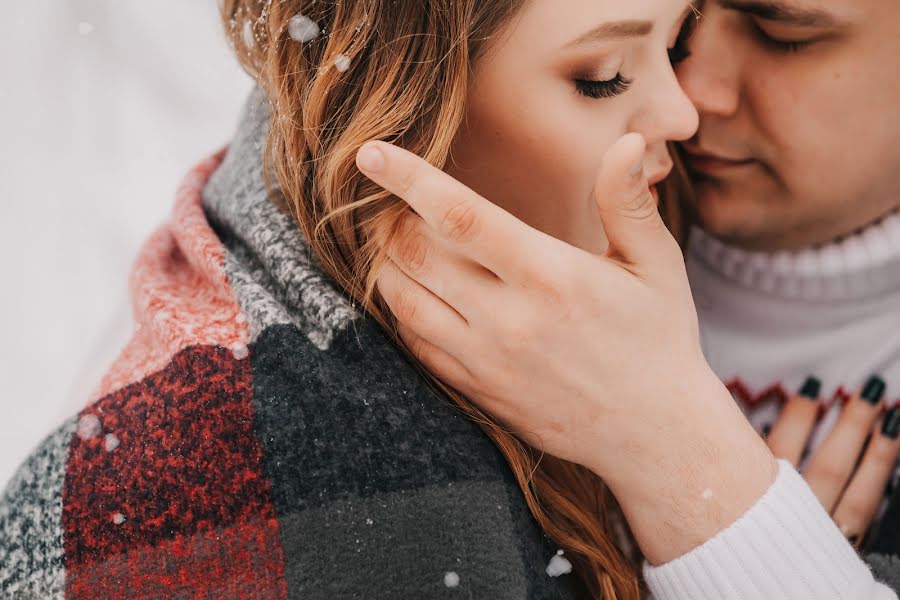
x=796, y=158
x=795, y=263
x=796, y=266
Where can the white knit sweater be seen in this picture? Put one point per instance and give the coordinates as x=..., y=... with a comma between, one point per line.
x=767, y=322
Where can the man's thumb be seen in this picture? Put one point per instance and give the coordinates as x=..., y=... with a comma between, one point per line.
x=636, y=232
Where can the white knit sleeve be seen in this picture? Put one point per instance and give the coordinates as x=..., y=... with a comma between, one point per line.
x=785, y=546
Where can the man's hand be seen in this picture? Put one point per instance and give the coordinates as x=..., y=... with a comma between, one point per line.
x=507, y=314
x=593, y=358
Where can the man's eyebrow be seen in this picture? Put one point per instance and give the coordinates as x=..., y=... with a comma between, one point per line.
x=772, y=10
x=614, y=30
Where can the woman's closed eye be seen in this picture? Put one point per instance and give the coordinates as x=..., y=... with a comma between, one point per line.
x=604, y=88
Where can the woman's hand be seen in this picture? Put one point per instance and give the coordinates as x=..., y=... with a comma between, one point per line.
x=593, y=358
x=849, y=487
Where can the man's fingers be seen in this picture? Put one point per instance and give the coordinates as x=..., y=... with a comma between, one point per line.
x=421, y=311
x=479, y=229
x=860, y=501
x=829, y=469
x=459, y=282
x=636, y=232
x=447, y=368
x=790, y=433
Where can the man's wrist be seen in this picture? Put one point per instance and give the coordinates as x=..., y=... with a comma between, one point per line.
x=697, y=485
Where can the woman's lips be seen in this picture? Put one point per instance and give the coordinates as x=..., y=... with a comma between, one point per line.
x=656, y=179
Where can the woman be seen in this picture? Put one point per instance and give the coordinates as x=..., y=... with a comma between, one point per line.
x=260, y=436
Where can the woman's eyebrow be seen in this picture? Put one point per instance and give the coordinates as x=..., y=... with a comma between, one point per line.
x=613, y=30
x=781, y=12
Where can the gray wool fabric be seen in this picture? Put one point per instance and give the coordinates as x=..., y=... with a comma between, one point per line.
x=370, y=470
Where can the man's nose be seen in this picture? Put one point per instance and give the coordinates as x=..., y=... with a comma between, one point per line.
x=710, y=76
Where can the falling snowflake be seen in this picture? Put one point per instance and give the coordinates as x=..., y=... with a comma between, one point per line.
x=240, y=351
x=342, y=63
x=451, y=579
x=247, y=35
x=110, y=442
x=303, y=29
x=118, y=518
x=88, y=426
x=559, y=565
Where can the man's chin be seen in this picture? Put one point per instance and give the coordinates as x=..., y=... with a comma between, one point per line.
x=735, y=220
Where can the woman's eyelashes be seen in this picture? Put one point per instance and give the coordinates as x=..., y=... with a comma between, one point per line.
x=603, y=89
x=609, y=88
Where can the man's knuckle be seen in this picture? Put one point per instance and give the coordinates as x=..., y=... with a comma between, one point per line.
x=460, y=222
x=553, y=280
x=517, y=333
x=639, y=205
x=406, y=307
x=419, y=349
x=412, y=250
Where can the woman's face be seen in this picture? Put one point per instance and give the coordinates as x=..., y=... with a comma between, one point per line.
x=563, y=82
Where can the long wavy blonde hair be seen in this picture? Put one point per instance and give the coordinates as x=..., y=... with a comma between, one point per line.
x=399, y=71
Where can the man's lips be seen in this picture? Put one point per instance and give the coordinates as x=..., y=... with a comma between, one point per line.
x=705, y=161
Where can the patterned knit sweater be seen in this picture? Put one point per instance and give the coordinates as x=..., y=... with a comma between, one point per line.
x=770, y=320
x=260, y=437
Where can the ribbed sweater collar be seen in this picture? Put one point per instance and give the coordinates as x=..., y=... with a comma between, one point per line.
x=863, y=265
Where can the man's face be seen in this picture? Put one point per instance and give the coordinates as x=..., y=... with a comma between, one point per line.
x=799, y=102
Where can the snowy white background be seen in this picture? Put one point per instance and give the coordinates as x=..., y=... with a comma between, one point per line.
x=104, y=105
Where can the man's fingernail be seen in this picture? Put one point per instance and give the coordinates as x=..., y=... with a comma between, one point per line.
x=874, y=390
x=891, y=424
x=370, y=158
x=811, y=388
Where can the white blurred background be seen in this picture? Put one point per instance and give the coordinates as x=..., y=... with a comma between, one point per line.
x=104, y=105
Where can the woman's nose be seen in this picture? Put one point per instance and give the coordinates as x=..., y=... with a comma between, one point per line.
x=670, y=115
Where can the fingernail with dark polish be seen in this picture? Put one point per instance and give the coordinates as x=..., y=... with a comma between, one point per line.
x=891, y=424
x=853, y=539
x=874, y=390
x=811, y=388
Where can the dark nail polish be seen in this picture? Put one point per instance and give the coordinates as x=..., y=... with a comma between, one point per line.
x=853, y=539
x=874, y=390
x=891, y=424
x=811, y=388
